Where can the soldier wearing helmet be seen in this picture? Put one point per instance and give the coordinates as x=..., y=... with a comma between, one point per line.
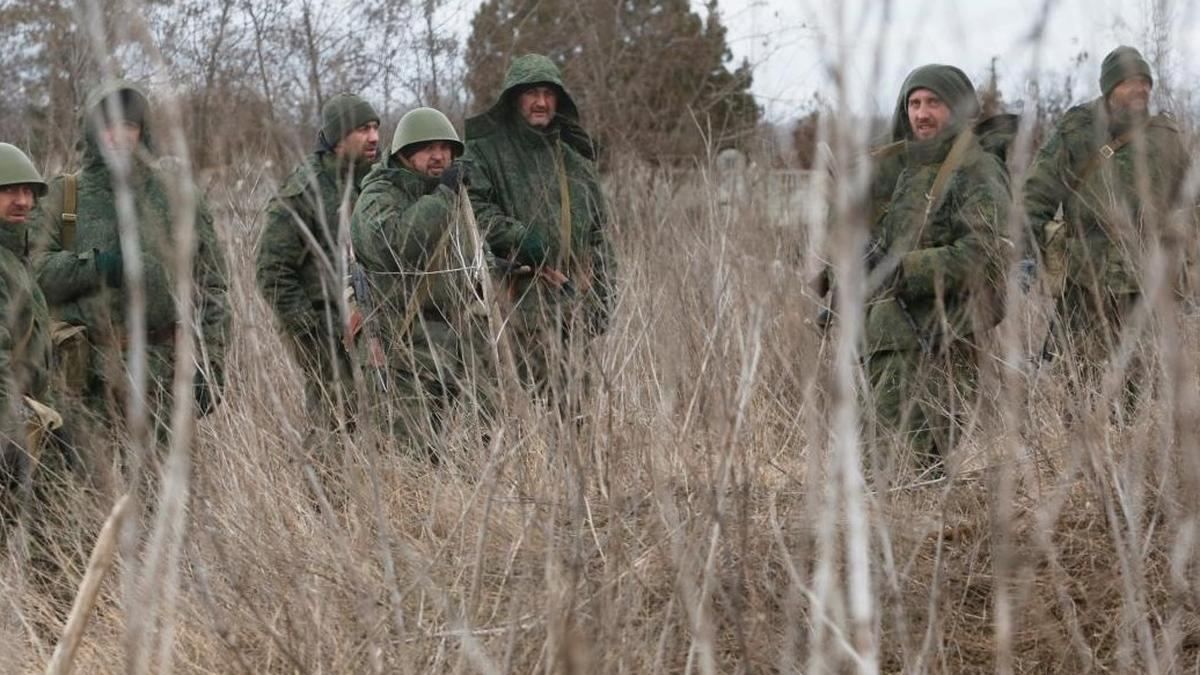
x=24, y=318
x=406, y=237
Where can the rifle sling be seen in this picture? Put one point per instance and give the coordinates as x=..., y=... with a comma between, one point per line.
x=69, y=210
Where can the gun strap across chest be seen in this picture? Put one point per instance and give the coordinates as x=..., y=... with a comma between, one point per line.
x=1103, y=154
x=564, y=209
x=69, y=210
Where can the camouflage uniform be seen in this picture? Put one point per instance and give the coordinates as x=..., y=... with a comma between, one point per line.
x=81, y=273
x=1113, y=206
x=24, y=324
x=517, y=175
x=921, y=324
x=299, y=265
x=420, y=266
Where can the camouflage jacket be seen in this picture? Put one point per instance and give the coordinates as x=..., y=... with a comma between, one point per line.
x=70, y=279
x=514, y=171
x=1108, y=216
x=297, y=267
x=24, y=332
x=958, y=259
x=420, y=279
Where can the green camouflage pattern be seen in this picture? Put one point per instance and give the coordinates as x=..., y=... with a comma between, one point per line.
x=1109, y=218
x=297, y=272
x=73, y=287
x=25, y=345
x=515, y=190
x=421, y=271
x=958, y=260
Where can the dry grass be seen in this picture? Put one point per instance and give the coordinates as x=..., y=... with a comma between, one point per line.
x=699, y=520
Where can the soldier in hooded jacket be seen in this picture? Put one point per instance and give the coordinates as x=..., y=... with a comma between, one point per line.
x=1115, y=173
x=423, y=272
x=941, y=253
x=537, y=197
x=300, y=265
x=25, y=353
x=81, y=261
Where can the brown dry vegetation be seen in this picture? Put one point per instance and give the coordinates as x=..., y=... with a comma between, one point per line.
x=703, y=518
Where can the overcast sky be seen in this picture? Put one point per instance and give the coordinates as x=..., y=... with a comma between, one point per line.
x=793, y=43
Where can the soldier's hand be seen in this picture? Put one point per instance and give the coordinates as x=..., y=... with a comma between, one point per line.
x=454, y=177
x=531, y=249
x=109, y=267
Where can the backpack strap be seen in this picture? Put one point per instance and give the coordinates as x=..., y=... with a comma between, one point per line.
x=1103, y=154
x=69, y=212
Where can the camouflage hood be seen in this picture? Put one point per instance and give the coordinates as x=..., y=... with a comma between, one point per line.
x=526, y=71
x=949, y=83
x=134, y=106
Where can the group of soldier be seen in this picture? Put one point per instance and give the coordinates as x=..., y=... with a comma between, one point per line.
x=518, y=206
x=1104, y=191
x=450, y=240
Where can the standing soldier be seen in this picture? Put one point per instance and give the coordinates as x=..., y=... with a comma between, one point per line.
x=421, y=275
x=940, y=250
x=80, y=260
x=1116, y=171
x=537, y=196
x=24, y=318
x=300, y=265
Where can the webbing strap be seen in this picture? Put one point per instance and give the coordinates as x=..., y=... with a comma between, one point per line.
x=1103, y=153
x=69, y=212
x=564, y=210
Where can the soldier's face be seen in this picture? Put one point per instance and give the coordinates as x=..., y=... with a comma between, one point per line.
x=928, y=114
x=1132, y=95
x=538, y=105
x=361, y=144
x=431, y=159
x=121, y=138
x=16, y=201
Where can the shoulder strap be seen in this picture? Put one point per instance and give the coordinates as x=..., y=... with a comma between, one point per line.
x=69, y=206
x=1103, y=154
x=564, y=211
x=958, y=151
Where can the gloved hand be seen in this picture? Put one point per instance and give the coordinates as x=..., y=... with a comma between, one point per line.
x=110, y=267
x=532, y=249
x=208, y=394
x=454, y=177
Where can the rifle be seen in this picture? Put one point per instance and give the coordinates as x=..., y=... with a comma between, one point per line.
x=359, y=322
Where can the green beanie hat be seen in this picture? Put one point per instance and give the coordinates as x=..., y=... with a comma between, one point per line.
x=341, y=115
x=1121, y=64
x=951, y=85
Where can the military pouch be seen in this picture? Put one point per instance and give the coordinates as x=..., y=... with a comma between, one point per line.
x=72, y=355
x=40, y=420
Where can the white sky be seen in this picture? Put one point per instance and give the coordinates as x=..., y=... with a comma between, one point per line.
x=793, y=43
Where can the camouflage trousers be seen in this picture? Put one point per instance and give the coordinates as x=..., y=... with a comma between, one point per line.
x=921, y=401
x=550, y=341
x=328, y=381
x=1089, y=334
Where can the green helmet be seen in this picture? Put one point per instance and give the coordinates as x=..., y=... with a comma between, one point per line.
x=424, y=125
x=17, y=169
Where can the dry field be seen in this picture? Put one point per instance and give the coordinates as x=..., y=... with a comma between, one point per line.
x=709, y=515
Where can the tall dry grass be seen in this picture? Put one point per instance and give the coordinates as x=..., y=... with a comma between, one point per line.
x=713, y=511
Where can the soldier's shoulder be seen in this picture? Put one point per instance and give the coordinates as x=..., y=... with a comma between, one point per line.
x=880, y=153
x=1165, y=121
x=302, y=179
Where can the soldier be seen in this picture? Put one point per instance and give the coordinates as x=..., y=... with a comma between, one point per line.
x=80, y=260
x=420, y=271
x=24, y=318
x=300, y=265
x=939, y=248
x=1116, y=171
x=537, y=196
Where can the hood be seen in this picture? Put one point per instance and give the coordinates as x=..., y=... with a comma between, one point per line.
x=949, y=83
x=134, y=106
x=526, y=71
